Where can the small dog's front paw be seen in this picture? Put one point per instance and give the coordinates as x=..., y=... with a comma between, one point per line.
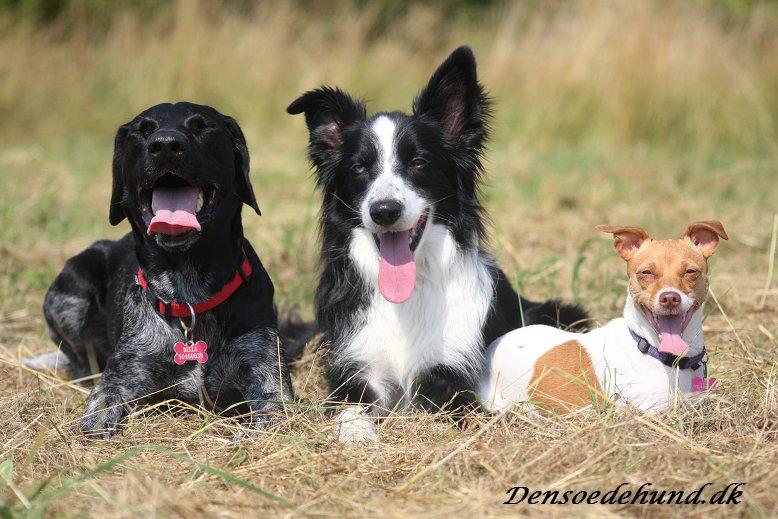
x=355, y=427
x=104, y=413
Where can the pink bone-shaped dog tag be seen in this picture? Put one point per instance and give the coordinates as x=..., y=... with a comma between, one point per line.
x=700, y=384
x=190, y=351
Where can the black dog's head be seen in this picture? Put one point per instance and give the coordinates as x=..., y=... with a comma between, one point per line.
x=180, y=170
x=396, y=175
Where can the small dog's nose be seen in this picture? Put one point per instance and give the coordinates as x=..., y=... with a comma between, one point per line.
x=166, y=145
x=669, y=299
x=386, y=212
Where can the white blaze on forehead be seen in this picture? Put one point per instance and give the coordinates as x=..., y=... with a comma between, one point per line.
x=388, y=184
x=384, y=129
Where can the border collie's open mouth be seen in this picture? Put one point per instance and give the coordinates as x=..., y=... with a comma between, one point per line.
x=397, y=268
x=173, y=206
x=670, y=329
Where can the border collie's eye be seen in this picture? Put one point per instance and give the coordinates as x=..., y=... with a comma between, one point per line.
x=358, y=168
x=196, y=123
x=419, y=162
x=146, y=127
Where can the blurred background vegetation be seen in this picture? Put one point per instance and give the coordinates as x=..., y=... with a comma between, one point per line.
x=694, y=74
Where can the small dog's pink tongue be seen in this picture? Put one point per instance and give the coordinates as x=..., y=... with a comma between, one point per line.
x=671, y=333
x=396, y=270
x=174, y=210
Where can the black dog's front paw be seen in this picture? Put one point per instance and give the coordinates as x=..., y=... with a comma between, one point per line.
x=259, y=420
x=105, y=410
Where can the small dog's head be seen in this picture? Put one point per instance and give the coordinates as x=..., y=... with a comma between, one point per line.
x=180, y=170
x=668, y=279
x=394, y=173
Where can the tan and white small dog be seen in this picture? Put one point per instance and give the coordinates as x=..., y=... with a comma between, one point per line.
x=650, y=358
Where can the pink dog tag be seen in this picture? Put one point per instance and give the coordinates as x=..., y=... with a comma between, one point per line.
x=190, y=351
x=700, y=384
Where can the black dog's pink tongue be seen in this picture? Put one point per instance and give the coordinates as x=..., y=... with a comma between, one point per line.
x=396, y=270
x=174, y=210
x=671, y=334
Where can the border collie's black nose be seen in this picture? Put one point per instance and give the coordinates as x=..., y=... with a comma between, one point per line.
x=166, y=144
x=385, y=212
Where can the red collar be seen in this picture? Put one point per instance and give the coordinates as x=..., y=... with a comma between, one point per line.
x=179, y=309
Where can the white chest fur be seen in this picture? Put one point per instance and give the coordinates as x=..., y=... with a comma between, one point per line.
x=441, y=324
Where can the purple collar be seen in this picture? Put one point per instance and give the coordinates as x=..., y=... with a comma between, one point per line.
x=668, y=359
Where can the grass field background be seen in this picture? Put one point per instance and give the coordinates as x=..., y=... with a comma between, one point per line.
x=644, y=113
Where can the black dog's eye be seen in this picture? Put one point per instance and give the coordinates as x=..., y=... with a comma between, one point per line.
x=146, y=127
x=196, y=123
x=419, y=162
x=358, y=168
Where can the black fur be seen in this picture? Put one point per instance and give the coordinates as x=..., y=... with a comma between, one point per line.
x=446, y=131
x=102, y=320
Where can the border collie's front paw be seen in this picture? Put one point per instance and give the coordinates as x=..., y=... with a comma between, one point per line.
x=104, y=412
x=354, y=426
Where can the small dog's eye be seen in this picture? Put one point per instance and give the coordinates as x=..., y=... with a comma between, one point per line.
x=146, y=127
x=196, y=123
x=419, y=162
x=647, y=272
x=691, y=272
x=358, y=168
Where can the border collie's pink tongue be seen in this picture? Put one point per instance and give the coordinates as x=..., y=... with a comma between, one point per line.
x=396, y=270
x=671, y=333
x=174, y=210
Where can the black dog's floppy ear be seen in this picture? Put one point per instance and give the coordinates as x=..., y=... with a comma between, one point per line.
x=455, y=100
x=116, y=210
x=327, y=111
x=241, y=150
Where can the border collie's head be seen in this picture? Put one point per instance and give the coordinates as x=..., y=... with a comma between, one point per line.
x=395, y=175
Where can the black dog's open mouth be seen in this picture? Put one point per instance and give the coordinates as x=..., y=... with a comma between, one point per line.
x=173, y=206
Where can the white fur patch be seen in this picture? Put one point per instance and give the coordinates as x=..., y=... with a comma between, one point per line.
x=441, y=324
x=52, y=360
x=354, y=427
x=388, y=185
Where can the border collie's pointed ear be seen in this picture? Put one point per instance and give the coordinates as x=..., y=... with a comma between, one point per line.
x=454, y=99
x=241, y=150
x=116, y=209
x=705, y=235
x=327, y=111
x=626, y=240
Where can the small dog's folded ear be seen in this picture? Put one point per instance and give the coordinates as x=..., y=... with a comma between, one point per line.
x=116, y=210
x=455, y=100
x=626, y=240
x=327, y=112
x=242, y=165
x=705, y=235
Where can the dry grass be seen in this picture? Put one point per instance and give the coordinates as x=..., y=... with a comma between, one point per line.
x=652, y=113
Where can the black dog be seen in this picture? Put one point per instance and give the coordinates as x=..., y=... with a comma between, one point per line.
x=180, y=176
x=409, y=297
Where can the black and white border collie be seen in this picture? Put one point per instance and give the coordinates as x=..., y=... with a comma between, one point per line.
x=409, y=298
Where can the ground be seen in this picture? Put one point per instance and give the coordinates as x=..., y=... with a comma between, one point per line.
x=564, y=158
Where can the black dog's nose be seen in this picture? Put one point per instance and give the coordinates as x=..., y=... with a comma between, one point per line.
x=165, y=144
x=385, y=212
